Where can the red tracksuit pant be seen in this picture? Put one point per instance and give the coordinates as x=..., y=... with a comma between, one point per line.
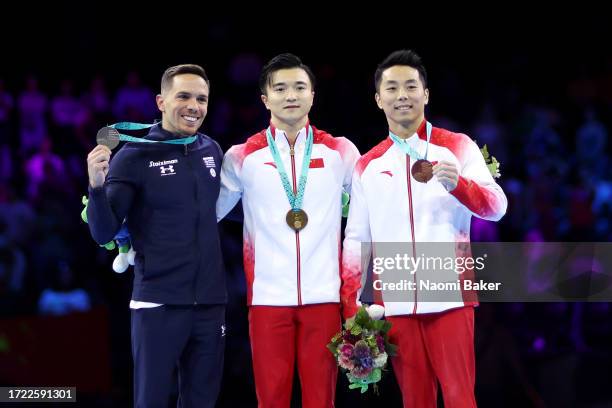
x=282, y=335
x=435, y=347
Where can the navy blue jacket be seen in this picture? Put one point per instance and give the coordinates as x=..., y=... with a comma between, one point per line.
x=168, y=194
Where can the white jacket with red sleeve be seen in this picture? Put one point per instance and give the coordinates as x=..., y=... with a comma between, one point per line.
x=284, y=267
x=389, y=205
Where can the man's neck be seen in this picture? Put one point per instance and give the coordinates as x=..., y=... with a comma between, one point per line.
x=166, y=127
x=290, y=129
x=405, y=130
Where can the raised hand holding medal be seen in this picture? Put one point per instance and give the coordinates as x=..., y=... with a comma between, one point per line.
x=108, y=138
x=423, y=170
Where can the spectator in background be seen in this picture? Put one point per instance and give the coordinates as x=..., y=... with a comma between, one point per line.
x=45, y=167
x=12, y=272
x=6, y=141
x=6, y=107
x=67, y=114
x=95, y=112
x=238, y=111
x=63, y=296
x=134, y=101
x=32, y=122
x=489, y=131
x=591, y=141
x=18, y=216
x=96, y=99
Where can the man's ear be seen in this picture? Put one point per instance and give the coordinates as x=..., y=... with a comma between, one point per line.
x=160, y=103
x=377, y=99
x=264, y=99
x=426, y=96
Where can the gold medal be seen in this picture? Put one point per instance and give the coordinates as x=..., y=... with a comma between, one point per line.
x=297, y=219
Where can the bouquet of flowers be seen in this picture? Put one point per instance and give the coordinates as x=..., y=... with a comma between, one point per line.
x=362, y=349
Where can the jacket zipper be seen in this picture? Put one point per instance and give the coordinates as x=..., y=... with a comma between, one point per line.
x=409, y=182
x=195, y=179
x=297, y=233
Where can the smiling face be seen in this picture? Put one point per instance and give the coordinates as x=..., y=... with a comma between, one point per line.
x=402, y=96
x=184, y=105
x=289, y=96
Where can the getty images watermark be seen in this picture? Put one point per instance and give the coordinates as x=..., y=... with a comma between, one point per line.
x=436, y=264
x=488, y=271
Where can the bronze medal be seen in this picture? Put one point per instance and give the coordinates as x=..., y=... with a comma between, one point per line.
x=422, y=171
x=108, y=136
x=297, y=219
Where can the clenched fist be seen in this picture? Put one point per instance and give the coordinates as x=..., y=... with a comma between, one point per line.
x=97, y=165
x=446, y=172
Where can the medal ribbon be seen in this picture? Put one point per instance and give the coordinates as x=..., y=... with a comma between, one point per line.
x=403, y=144
x=140, y=126
x=295, y=200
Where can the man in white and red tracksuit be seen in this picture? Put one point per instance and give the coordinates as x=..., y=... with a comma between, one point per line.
x=292, y=264
x=394, y=201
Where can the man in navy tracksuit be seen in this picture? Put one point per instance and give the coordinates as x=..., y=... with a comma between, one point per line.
x=168, y=193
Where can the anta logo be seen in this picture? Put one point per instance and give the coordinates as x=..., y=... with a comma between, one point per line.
x=387, y=172
x=167, y=170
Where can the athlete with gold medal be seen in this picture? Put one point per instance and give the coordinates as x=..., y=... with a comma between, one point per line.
x=291, y=177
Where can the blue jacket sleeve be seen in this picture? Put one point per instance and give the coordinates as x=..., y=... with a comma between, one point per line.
x=110, y=204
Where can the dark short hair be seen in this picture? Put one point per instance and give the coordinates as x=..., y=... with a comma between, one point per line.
x=401, y=57
x=282, y=61
x=170, y=73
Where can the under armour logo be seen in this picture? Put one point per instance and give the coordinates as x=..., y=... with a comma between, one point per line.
x=166, y=170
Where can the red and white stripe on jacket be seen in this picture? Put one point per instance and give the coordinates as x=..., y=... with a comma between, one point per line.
x=284, y=267
x=389, y=205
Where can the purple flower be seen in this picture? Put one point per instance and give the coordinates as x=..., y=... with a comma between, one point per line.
x=366, y=362
x=362, y=357
x=380, y=342
x=346, y=362
x=361, y=372
x=361, y=350
x=346, y=349
x=349, y=338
